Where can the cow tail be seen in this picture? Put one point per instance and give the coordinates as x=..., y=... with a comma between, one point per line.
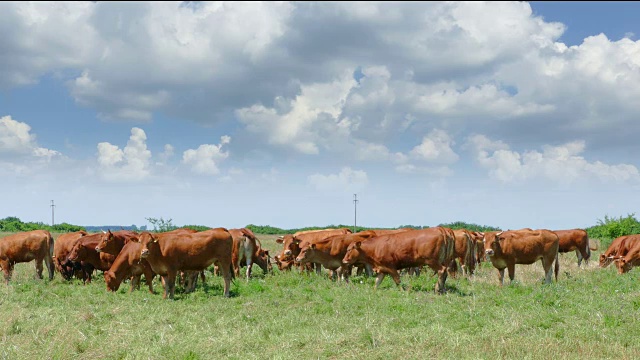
x=557, y=265
x=51, y=245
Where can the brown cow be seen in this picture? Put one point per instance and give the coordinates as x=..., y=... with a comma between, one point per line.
x=630, y=259
x=618, y=248
x=61, y=248
x=505, y=249
x=128, y=263
x=246, y=250
x=389, y=253
x=575, y=240
x=84, y=253
x=291, y=248
x=26, y=246
x=112, y=243
x=465, y=252
x=169, y=253
x=330, y=251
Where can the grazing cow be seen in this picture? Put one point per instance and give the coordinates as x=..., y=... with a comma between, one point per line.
x=618, y=248
x=26, y=246
x=246, y=250
x=61, y=248
x=84, y=253
x=330, y=251
x=630, y=259
x=465, y=252
x=387, y=254
x=169, y=253
x=128, y=263
x=505, y=249
x=575, y=240
x=112, y=243
x=291, y=248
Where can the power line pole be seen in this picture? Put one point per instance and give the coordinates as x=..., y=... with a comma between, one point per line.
x=52, y=206
x=355, y=211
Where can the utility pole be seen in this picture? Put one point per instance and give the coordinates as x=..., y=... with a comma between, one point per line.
x=355, y=211
x=52, y=211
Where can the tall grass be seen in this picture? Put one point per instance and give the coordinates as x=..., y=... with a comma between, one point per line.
x=588, y=313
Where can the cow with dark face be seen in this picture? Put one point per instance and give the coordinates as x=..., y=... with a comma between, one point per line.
x=170, y=253
x=84, y=255
x=63, y=245
x=505, y=249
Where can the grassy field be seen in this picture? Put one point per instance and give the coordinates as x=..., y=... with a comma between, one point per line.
x=589, y=313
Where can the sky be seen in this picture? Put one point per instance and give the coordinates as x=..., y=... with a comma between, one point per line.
x=228, y=114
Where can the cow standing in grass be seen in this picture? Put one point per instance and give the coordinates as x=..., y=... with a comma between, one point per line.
x=24, y=247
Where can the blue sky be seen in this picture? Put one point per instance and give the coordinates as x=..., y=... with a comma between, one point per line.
x=225, y=114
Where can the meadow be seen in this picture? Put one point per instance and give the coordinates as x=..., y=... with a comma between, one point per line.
x=589, y=313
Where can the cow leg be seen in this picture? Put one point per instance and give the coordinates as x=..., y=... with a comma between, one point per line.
x=395, y=276
x=135, y=280
x=512, y=271
x=442, y=278
x=170, y=284
x=548, y=270
x=346, y=272
x=50, y=267
x=226, y=275
x=39, y=268
x=379, y=279
x=148, y=277
x=579, y=254
x=249, y=266
x=7, y=269
x=501, y=276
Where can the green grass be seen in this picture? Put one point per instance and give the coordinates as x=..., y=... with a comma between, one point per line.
x=590, y=313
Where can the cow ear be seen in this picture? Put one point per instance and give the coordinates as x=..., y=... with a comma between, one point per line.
x=296, y=241
x=266, y=252
x=280, y=240
x=313, y=246
x=358, y=243
x=154, y=239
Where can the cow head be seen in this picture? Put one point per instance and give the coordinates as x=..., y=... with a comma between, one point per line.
x=624, y=265
x=77, y=252
x=105, y=239
x=305, y=252
x=290, y=247
x=264, y=261
x=492, y=242
x=607, y=260
x=111, y=281
x=354, y=253
x=149, y=244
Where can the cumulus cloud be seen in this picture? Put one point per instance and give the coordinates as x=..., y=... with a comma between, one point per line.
x=205, y=159
x=561, y=164
x=16, y=139
x=128, y=164
x=346, y=180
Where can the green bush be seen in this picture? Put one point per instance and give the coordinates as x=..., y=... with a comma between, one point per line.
x=610, y=228
x=14, y=224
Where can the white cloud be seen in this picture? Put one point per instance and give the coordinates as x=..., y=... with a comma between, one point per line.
x=16, y=139
x=206, y=158
x=346, y=180
x=435, y=147
x=560, y=164
x=128, y=164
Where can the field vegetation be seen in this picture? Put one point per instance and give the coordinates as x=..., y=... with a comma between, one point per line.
x=588, y=313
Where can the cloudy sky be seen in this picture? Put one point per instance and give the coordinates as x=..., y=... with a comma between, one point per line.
x=228, y=114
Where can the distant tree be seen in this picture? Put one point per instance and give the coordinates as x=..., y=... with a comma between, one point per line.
x=161, y=225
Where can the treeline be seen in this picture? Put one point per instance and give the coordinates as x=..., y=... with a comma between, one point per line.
x=92, y=228
x=14, y=224
x=610, y=228
x=271, y=230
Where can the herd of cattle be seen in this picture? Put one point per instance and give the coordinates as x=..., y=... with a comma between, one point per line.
x=184, y=254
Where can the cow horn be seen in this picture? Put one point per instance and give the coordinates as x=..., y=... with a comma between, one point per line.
x=104, y=232
x=500, y=233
